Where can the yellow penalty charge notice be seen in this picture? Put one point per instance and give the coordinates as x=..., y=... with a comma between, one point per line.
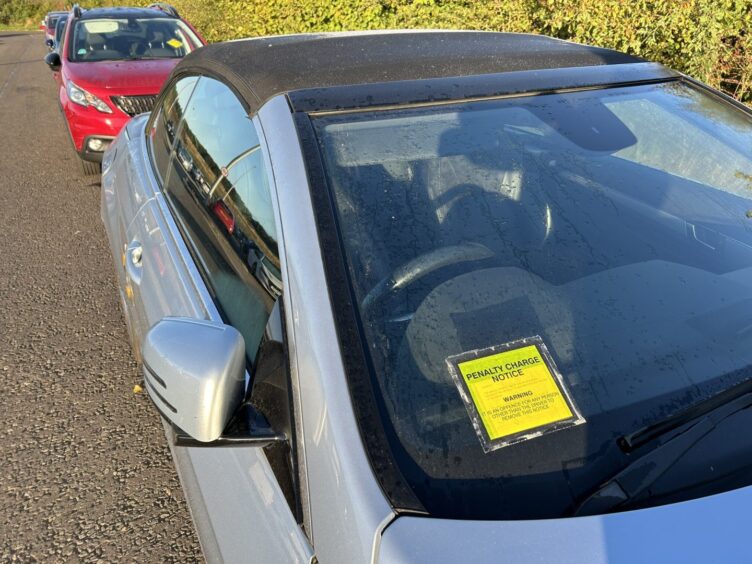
x=513, y=392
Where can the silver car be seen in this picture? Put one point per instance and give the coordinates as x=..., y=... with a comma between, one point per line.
x=443, y=297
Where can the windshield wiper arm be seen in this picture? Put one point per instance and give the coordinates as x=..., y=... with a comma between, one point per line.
x=630, y=442
x=642, y=473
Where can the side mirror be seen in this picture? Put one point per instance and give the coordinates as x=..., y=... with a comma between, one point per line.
x=194, y=372
x=53, y=61
x=49, y=42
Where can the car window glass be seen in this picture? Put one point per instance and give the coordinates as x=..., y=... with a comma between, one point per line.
x=218, y=127
x=220, y=187
x=245, y=193
x=131, y=38
x=167, y=119
x=613, y=224
x=680, y=144
x=59, y=28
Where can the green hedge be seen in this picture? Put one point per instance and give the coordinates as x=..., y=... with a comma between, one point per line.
x=708, y=39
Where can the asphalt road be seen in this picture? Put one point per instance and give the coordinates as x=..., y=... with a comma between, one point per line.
x=85, y=472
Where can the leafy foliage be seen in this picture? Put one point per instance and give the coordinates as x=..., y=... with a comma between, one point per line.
x=708, y=39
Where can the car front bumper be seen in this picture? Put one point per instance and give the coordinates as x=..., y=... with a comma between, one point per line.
x=87, y=125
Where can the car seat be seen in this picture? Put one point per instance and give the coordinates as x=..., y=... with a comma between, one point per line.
x=489, y=195
x=94, y=44
x=156, y=46
x=382, y=204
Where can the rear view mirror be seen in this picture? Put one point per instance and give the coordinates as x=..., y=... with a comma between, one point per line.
x=194, y=372
x=49, y=42
x=53, y=61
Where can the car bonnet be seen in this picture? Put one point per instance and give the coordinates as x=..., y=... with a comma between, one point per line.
x=710, y=529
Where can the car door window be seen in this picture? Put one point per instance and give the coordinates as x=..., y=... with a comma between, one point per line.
x=216, y=159
x=164, y=122
x=218, y=185
x=244, y=192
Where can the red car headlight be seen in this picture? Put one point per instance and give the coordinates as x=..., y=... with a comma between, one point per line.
x=79, y=96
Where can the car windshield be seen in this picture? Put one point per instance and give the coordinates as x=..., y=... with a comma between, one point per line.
x=613, y=224
x=131, y=38
x=52, y=22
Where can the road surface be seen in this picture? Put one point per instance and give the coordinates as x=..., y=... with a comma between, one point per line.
x=85, y=472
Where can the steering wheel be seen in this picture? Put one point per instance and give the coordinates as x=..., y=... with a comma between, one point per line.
x=422, y=265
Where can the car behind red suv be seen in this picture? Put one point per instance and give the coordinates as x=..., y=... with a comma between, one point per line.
x=48, y=26
x=112, y=63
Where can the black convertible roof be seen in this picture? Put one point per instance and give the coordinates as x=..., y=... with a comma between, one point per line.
x=316, y=65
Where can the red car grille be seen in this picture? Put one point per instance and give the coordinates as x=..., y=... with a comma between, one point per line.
x=134, y=105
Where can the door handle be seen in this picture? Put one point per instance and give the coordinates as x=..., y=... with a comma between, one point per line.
x=133, y=261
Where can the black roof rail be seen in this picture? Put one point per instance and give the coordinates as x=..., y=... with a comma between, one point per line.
x=165, y=7
x=76, y=11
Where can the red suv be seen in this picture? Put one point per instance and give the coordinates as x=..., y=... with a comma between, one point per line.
x=112, y=63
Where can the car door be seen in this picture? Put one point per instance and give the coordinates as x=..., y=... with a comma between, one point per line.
x=140, y=226
x=215, y=203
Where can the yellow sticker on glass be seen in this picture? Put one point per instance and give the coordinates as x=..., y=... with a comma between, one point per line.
x=513, y=392
x=174, y=43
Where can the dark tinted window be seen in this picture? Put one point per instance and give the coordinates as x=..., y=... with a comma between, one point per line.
x=165, y=122
x=614, y=223
x=219, y=185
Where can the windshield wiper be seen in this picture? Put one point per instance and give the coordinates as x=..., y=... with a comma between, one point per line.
x=639, y=475
x=630, y=442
